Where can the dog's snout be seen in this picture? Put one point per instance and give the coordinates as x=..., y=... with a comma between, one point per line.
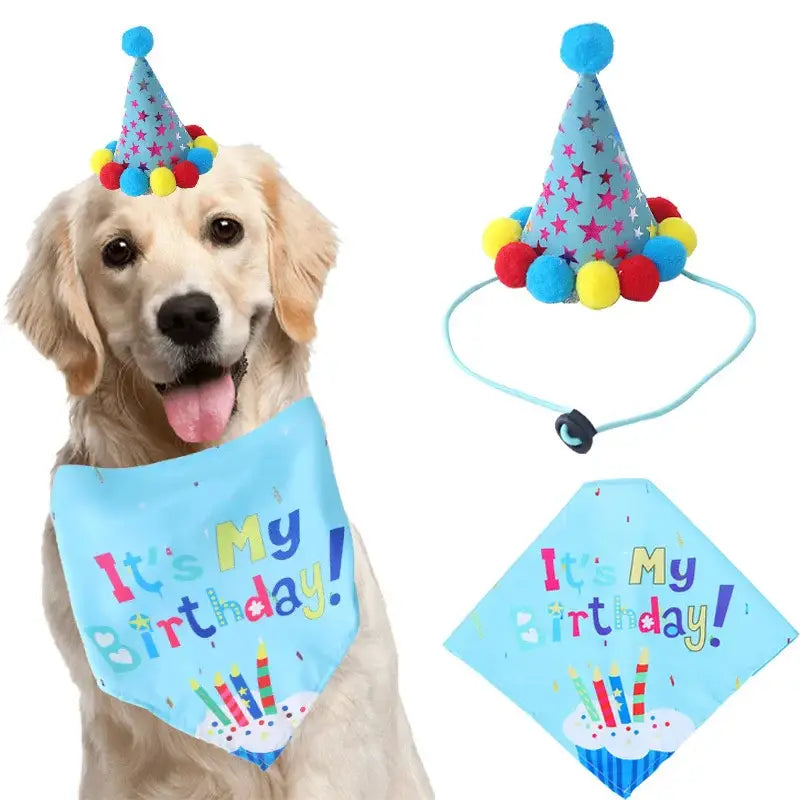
x=188, y=319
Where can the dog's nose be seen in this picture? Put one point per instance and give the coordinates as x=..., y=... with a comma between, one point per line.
x=188, y=319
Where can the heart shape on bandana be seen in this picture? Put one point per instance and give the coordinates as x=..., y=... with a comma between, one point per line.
x=121, y=656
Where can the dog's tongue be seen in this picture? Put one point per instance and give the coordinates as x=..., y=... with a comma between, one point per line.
x=201, y=413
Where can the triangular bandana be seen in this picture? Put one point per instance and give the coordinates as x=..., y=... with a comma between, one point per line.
x=621, y=629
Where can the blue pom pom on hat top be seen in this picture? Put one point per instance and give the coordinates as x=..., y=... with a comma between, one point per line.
x=137, y=42
x=587, y=49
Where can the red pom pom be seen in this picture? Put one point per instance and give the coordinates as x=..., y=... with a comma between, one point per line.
x=194, y=131
x=109, y=174
x=186, y=174
x=638, y=278
x=661, y=208
x=512, y=262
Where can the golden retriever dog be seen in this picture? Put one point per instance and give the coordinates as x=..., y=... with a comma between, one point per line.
x=180, y=322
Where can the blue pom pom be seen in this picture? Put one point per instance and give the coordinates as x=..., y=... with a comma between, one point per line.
x=112, y=146
x=550, y=279
x=202, y=158
x=134, y=182
x=521, y=215
x=137, y=42
x=668, y=254
x=587, y=49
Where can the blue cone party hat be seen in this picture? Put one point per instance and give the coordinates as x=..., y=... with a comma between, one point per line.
x=155, y=151
x=593, y=235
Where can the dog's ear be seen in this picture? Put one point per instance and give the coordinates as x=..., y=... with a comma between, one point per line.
x=48, y=302
x=302, y=250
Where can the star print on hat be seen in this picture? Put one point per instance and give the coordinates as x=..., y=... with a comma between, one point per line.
x=591, y=207
x=593, y=235
x=155, y=152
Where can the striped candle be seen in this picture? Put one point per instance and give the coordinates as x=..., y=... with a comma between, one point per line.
x=264, y=681
x=205, y=697
x=618, y=693
x=244, y=694
x=639, y=686
x=602, y=698
x=230, y=701
x=586, y=699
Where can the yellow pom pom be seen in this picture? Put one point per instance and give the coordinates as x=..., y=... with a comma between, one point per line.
x=162, y=181
x=679, y=229
x=597, y=284
x=99, y=159
x=208, y=143
x=499, y=233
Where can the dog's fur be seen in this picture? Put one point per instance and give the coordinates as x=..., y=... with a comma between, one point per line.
x=97, y=325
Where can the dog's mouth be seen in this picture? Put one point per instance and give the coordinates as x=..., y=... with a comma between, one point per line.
x=200, y=403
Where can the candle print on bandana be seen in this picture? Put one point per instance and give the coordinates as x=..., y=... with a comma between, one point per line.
x=621, y=629
x=215, y=590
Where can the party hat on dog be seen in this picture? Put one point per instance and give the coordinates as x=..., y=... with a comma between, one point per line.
x=155, y=152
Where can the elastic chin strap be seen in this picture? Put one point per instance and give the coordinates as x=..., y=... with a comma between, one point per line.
x=574, y=429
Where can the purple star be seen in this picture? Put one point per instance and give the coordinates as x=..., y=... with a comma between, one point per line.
x=143, y=166
x=143, y=86
x=159, y=116
x=587, y=121
x=151, y=99
x=569, y=255
x=599, y=147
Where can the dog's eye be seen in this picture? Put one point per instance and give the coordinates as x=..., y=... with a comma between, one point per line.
x=118, y=253
x=226, y=231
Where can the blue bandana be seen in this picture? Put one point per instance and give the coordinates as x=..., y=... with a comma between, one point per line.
x=215, y=590
x=620, y=630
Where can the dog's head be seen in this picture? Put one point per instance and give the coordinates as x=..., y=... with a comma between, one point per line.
x=176, y=287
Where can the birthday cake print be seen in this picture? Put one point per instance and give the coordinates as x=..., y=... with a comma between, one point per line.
x=619, y=744
x=620, y=630
x=255, y=730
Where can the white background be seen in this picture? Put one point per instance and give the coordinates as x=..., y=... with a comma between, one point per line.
x=410, y=125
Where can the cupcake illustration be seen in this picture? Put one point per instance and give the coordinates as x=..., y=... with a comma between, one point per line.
x=619, y=744
x=255, y=730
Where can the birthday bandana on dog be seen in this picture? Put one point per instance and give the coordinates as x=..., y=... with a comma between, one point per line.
x=621, y=629
x=215, y=590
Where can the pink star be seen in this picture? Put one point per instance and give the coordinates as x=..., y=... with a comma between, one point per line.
x=155, y=149
x=578, y=171
x=170, y=146
x=561, y=128
x=607, y=199
x=562, y=183
x=133, y=123
x=135, y=149
x=174, y=160
x=599, y=255
x=122, y=140
x=143, y=115
x=172, y=126
x=151, y=99
x=592, y=231
x=547, y=192
x=626, y=193
x=621, y=160
x=550, y=168
x=605, y=177
x=559, y=225
x=569, y=150
x=618, y=227
x=160, y=130
x=622, y=251
x=627, y=175
x=159, y=117
x=540, y=211
x=573, y=203
x=545, y=233
x=134, y=104
x=124, y=130
x=140, y=135
x=599, y=147
x=127, y=157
